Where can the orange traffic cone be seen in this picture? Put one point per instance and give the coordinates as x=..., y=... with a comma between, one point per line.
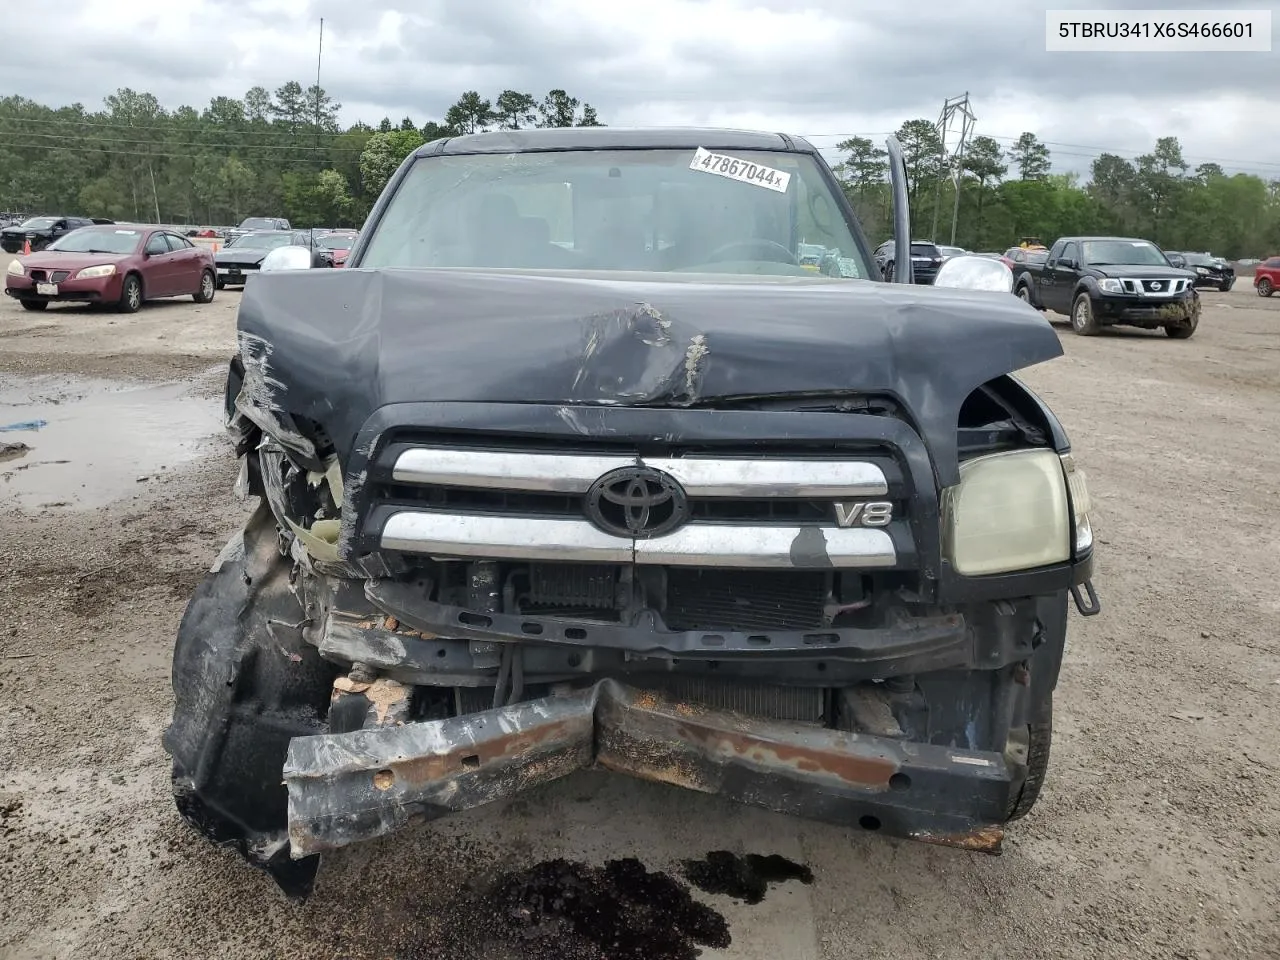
x=26, y=247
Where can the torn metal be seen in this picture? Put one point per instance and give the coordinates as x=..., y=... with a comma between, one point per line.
x=355, y=786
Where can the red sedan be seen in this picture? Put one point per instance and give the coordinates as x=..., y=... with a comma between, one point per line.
x=117, y=265
x=340, y=242
x=1266, y=279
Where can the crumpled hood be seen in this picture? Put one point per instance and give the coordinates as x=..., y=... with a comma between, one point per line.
x=333, y=346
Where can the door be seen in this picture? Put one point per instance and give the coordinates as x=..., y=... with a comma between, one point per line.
x=158, y=270
x=187, y=265
x=1060, y=275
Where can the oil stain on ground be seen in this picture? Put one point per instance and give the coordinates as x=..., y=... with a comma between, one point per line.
x=563, y=910
x=744, y=878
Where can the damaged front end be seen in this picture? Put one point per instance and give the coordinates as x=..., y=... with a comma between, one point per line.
x=783, y=599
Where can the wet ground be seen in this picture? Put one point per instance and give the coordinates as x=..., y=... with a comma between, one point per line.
x=87, y=443
x=1157, y=835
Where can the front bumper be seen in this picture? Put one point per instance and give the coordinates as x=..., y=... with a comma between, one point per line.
x=97, y=290
x=349, y=787
x=1144, y=312
x=235, y=274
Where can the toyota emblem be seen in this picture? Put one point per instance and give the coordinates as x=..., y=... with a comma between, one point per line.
x=637, y=503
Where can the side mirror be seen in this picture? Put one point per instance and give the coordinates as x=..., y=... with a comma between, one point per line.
x=902, y=272
x=287, y=258
x=967, y=272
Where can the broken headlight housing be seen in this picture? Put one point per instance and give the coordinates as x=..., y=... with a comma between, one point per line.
x=15, y=268
x=1015, y=510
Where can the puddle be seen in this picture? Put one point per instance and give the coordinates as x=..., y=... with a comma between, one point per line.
x=83, y=444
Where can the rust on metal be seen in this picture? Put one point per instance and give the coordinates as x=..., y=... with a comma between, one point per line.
x=859, y=770
x=980, y=839
x=463, y=758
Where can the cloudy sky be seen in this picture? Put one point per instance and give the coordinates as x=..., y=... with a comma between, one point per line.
x=826, y=69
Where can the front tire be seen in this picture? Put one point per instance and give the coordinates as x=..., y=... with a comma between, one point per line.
x=888, y=272
x=208, y=284
x=1083, y=321
x=34, y=304
x=1039, y=742
x=131, y=294
x=1265, y=288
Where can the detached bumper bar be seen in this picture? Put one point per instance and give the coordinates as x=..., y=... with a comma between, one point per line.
x=349, y=787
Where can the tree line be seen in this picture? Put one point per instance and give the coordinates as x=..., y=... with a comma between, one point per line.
x=284, y=153
x=1005, y=195
x=265, y=154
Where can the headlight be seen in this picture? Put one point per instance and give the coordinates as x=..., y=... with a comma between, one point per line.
x=1010, y=511
x=1203, y=271
x=1080, y=503
x=91, y=273
x=15, y=268
x=1107, y=285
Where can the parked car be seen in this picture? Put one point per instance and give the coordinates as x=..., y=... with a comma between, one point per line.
x=926, y=258
x=257, y=225
x=1210, y=271
x=116, y=265
x=949, y=252
x=565, y=507
x=1016, y=256
x=41, y=231
x=1108, y=281
x=338, y=243
x=242, y=256
x=1266, y=276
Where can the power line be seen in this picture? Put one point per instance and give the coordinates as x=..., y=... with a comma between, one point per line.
x=159, y=155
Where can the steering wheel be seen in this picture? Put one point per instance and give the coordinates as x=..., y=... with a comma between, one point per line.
x=754, y=249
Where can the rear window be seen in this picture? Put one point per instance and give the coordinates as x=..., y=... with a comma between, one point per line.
x=924, y=250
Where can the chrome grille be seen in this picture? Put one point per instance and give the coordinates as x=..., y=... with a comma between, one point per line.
x=775, y=512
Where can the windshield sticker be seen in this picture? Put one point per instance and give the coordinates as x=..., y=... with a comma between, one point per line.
x=128, y=233
x=734, y=169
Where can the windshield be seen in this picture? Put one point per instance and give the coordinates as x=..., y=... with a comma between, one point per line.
x=335, y=241
x=98, y=240
x=258, y=223
x=1131, y=252
x=261, y=241
x=39, y=223
x=648, y=210
x=1200, y=260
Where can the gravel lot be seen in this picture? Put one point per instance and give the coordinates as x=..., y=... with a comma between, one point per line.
x=1158, y=834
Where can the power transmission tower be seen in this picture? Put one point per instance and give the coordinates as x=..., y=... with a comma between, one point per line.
x=955, y=111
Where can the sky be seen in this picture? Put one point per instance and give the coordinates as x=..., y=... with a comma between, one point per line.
x=824, y=69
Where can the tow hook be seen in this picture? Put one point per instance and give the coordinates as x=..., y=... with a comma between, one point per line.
x=1093, y=607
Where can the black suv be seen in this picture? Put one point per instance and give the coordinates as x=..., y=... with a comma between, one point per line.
x=926, y=258
x=41, y=231
x=552, y=481
x=1210, y=271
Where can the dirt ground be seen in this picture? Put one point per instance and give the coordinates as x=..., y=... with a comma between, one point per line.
x=1158, y=834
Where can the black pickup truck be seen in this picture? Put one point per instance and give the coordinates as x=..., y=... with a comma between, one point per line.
x=1111, y=281
x=543, y=487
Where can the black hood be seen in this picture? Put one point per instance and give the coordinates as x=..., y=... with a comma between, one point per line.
x=335, y=345
x=26, y=231
x=240, y=255
x=1140, y=271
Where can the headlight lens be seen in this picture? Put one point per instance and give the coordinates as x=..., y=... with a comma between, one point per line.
x=1203, y=271
x=1010, y=511
x=1107, y=285
x=91, y=273
x=15, y=268
x=1080, y=503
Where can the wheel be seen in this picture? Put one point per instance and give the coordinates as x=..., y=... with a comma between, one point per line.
x=34, y=304
x=1083, y=321
x=1265, y=287
x=1226, y=286
x=131, y=294
x=1039, y=741
x=1184, y=330
x=207, y=285
x=1024, y=293
x=888, y=272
